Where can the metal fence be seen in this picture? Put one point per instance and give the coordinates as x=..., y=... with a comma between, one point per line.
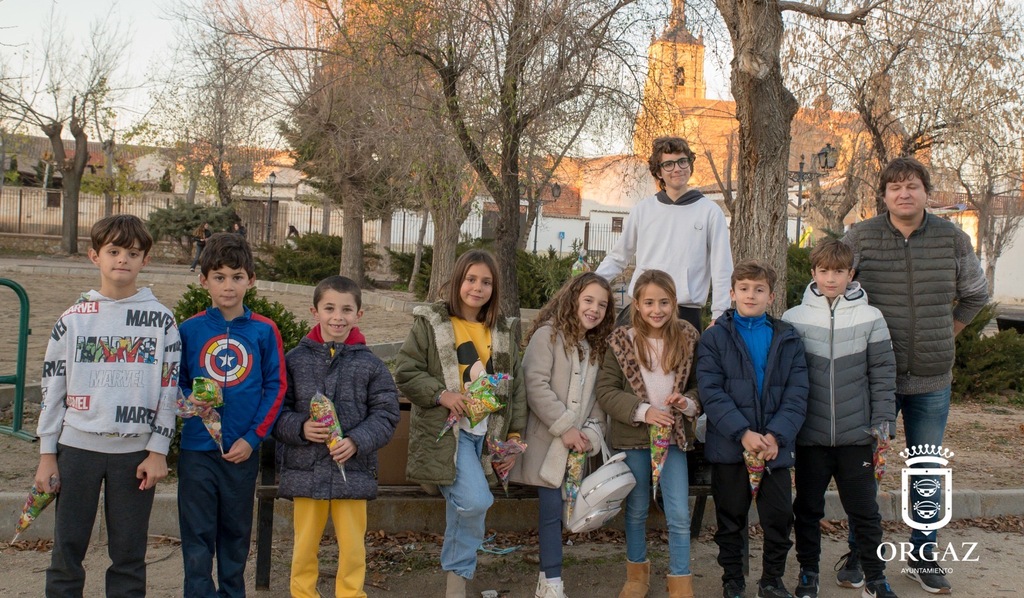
x=35, y=211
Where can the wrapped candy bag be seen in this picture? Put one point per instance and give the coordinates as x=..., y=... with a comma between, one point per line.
x=207, y=391
x=661, y=438
x=321, y=410
x=882, y=443
x=34, y=505
x=574, y=465
x=755, y=471
x=501, y=450
x=186, y=408
x=482, y=401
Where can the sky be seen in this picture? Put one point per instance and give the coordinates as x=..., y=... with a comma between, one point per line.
x=150, y=34
x=147, y=29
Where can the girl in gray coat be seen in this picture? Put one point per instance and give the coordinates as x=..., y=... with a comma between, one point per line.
x=565, y=349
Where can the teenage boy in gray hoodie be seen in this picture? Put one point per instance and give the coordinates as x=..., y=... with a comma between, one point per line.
x=109, y=386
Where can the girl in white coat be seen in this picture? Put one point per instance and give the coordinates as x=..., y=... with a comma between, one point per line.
x=565, y=350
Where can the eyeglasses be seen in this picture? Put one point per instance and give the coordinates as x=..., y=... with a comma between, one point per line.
x=683, y=163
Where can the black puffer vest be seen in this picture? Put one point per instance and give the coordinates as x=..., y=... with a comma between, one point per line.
x=912, y=281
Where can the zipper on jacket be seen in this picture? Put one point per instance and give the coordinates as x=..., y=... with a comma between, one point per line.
x=227, y=343
x=832, y=366
x=910, y=296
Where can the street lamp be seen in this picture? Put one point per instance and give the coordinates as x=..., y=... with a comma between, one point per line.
x=556, y=190
x=273, y=179
x=825, y=160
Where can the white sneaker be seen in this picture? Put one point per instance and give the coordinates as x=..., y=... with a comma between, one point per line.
x=547, y=589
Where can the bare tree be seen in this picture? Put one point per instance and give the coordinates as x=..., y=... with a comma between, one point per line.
x=510, y=71
x=989, y=170
x=916, y=73
x=73, y=80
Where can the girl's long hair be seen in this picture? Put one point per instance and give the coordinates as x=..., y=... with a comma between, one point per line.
x=561, y=313
x=673, y=344
x=489, y=312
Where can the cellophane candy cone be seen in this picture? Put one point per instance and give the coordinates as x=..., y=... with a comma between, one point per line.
x=321, y=409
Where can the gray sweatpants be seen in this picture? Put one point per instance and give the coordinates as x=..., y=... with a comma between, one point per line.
x=126, y=511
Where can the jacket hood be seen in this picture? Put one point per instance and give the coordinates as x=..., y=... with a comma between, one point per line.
x=142, y=295
x=853, y=295
x=354, y=336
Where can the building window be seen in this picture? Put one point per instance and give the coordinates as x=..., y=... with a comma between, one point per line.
x=617, y=224
x=680, y=76
x=53, y=199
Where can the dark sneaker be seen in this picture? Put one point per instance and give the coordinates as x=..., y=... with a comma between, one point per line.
x=878, y=589
x=848, y=571
x=929, y=575
x=733, y=589
x=772, y=588
x=807, y=586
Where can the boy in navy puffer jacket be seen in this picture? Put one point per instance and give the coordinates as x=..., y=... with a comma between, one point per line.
x=335, y=361
x=752, y=378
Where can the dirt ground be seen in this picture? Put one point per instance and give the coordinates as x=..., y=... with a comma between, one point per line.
x=406, y=566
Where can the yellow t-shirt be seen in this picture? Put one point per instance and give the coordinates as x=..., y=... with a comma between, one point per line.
x=473, y=350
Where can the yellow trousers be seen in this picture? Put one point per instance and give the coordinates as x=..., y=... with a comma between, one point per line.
x=349, y=517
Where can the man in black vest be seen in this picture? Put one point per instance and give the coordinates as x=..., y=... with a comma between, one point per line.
x=921, y=272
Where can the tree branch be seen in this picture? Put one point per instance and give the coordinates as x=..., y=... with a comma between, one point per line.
x=853, y=18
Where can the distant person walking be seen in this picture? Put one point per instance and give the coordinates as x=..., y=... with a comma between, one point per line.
x=239, y=228
x=921, y=272
x=678, y=231
x=200, y=235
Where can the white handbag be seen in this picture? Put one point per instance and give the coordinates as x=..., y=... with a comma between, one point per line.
x=601, y=493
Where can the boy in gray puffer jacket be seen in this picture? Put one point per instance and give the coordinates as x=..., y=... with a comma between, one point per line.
x=852, y=372
x=334, y=360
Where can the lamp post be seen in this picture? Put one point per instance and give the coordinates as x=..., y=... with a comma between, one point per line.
x=824, y=160
x=556, y=190
x=272, y=179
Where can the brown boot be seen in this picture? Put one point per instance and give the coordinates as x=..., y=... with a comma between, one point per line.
x=638, y=580
x=455, y=586
x=680, y=586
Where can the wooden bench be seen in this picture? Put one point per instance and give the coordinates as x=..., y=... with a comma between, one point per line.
x=266, y=493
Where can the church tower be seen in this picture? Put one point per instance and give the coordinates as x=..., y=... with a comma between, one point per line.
x=675, y=77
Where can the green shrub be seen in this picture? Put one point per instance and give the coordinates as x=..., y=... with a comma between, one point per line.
x=798, y=274
x=178, y=222
x=312, y=258
x=539, y=276
x=988, y=365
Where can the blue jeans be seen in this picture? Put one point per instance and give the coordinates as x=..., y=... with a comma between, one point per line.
x=467, y=501
x=674, y=486
x=549, y=530
x=924, y=422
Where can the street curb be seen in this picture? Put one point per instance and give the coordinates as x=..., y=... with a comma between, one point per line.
x=393, y=514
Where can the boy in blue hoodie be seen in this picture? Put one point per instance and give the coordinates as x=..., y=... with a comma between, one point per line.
x=107, y=414
x=243, y=353
x=334, y=360
x=752, y=377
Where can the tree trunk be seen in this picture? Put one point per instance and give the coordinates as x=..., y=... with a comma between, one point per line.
x=71, y=171
x=108, y=167
x=384, y=241
x=418, y=259
x=765, y=111
x=352, y=233
x=990, y=276
x=446, y=241
x=531, y=221
x=190, y=194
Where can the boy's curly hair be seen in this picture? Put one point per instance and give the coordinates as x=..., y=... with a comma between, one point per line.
x=561, y=313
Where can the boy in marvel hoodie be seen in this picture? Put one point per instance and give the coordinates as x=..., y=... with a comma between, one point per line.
x=109, y=386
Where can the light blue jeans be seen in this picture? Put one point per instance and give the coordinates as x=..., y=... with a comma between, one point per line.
x=674, y=486
x=467, y=501
x=924, y=422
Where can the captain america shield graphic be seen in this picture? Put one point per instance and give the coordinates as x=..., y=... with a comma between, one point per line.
x=226, y=360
